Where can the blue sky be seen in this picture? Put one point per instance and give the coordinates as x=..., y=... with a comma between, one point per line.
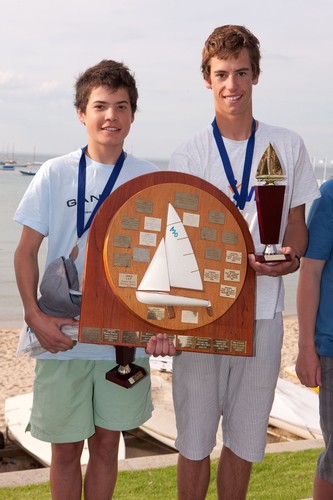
x=46, y=45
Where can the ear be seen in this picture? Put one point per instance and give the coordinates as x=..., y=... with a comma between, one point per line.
x=208, y=84
x=133, y=118
x=255, y=80
x=81, y=116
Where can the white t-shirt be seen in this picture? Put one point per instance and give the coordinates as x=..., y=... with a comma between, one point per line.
x=200, y=157
x=49, y=206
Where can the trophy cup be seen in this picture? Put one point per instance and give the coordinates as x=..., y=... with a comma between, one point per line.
x=269, y=201
x=126, y=373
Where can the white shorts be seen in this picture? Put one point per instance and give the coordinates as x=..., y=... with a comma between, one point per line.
x=206, y=386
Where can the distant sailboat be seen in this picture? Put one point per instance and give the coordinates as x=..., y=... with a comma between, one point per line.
x=173, y=265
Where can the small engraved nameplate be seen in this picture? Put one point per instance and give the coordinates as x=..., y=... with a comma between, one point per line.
x=110, y=335
x=141, y=254
x=122, y=240
x=130, y=223
x=156, y=313
x=212, y=275
x=145, y=337
x=127, y=280
x=229, y=292
x=91, y=334
x=238, y=346
x=229, y=238
x=190, y=317
x=148, y=239
x=185, y=341
x=232, y=275
x=216, y=217
x=203, y=343
x=144, y=207
x=191, y=220
x=220, y=345
x=129, y=337
x=233, y=257
x=213, y=253
x=121, y=259
x=152, y=224
x=186, y=201
x=208, y=233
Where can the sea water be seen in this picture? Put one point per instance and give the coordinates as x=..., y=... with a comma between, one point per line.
x=12, y=187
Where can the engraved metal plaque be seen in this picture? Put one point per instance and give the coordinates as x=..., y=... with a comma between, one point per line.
x=213, y=253
x=207, y=233
x=144, y=207
x=216, y=217
x=122, y=241
x=186, y=201
x=229, y=238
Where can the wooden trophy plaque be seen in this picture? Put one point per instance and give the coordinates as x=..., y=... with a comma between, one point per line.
x=168, y=252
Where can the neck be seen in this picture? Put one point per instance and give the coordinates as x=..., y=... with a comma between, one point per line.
x=234, y=128
x=104, y=154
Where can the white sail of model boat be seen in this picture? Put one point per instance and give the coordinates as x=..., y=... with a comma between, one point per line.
x=173, y=265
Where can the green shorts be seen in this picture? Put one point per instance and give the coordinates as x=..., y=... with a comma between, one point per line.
x=72, y=397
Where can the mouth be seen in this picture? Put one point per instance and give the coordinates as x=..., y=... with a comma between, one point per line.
x=233, y=98
x=111, y=129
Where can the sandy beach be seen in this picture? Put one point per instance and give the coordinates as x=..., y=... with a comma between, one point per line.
x=17, y=374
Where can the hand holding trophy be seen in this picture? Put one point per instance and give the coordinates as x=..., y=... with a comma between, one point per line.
x=269, y=201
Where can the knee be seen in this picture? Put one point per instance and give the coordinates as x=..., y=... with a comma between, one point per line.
x=67, y=453
x=104, y=445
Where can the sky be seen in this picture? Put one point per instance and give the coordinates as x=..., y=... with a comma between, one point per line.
x=46, y=45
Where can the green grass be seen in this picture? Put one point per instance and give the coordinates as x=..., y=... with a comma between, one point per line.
x=281, y=476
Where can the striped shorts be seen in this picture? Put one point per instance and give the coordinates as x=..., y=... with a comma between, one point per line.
x=206, y=386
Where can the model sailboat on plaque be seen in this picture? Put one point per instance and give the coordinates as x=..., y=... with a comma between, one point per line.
x=174, y=265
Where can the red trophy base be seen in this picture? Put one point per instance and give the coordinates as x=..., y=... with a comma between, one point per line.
x=269, y=200
x=126, y=373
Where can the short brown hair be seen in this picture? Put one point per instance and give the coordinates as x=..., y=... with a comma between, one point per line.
x=228, y=41
x=107, y=73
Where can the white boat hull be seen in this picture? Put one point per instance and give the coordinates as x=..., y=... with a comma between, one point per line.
x=164, y=299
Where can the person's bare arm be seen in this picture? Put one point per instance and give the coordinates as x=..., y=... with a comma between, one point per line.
x=45, y=327
x=308, y=296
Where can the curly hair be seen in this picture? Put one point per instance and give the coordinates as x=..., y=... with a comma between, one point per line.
x=228, y=41
x=107, y=73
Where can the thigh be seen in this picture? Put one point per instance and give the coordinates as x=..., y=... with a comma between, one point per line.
x=62, y=402
x=251, y=392
x=117, y=408
x=199, y=382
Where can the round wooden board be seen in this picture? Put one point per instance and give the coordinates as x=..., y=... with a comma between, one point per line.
x=217, y=242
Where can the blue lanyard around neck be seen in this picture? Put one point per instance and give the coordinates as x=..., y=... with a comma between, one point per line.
x=241, y=197
x=81, y=190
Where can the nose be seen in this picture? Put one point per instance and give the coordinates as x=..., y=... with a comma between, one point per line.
x=232, y=82
x=110, y=113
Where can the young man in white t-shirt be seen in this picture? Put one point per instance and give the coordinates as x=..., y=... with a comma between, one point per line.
x=72, y=399
x=208, y=386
